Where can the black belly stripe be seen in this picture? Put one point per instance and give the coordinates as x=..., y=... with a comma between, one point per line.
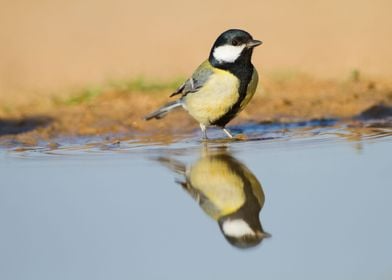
x=244, y=74
x=251, y=208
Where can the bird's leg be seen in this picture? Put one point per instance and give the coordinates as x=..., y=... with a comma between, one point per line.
x=204, y=131
x=227, y=132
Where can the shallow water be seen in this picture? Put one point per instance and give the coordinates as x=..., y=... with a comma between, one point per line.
x=90, y=209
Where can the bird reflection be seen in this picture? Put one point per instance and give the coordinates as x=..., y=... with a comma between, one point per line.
x=227, y=191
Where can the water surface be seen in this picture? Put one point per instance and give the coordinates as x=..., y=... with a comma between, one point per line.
x=94, y=210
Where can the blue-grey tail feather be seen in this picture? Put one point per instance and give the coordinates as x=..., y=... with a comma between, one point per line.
x=174, y=165
x=161, y=112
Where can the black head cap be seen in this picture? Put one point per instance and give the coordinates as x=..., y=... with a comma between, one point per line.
x=248, y=238
x=235, y=37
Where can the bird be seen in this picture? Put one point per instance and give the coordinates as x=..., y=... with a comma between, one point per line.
x=221, y=86
x=227, y=191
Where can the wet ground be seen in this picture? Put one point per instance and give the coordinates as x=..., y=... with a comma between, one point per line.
x=119, y=110
x=313, y=197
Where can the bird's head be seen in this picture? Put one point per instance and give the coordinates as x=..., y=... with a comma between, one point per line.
x=241, y=234
x=233, y=46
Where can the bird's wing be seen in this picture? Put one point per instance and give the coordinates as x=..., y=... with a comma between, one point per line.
x=198, y=79
x=208, y=206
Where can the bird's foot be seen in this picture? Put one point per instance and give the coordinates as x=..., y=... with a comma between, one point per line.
x=227, y=133
x=204, y=132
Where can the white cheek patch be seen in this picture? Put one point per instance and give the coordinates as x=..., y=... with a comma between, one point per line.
x=237, y=228
x=228, y=53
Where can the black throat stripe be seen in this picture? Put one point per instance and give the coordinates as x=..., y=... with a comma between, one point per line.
x=243, y=70
x=251, y=208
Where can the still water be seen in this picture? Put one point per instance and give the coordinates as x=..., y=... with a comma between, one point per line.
x=296, y=203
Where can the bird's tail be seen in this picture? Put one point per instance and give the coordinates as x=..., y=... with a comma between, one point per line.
x=174, y=165
x=161, y=112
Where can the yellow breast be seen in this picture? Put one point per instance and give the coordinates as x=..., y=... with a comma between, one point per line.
x=214, y=99
x=223, y=188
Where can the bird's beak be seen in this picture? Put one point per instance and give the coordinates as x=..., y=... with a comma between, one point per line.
x=253, y=43
x=263, y=234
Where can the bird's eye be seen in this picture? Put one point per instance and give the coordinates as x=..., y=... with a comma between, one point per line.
x=235, y=42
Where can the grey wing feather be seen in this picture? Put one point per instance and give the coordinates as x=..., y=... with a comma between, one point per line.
x=207, y=205
x=193, y=84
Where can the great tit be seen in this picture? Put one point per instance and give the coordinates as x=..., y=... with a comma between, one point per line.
x=221, y=86
x=227, y=191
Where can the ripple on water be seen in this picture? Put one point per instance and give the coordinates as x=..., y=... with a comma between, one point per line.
x=262, y=135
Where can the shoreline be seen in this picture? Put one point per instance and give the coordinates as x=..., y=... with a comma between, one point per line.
x=119, y=111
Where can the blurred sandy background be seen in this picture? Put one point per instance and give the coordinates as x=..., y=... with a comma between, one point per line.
x=47, y=47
